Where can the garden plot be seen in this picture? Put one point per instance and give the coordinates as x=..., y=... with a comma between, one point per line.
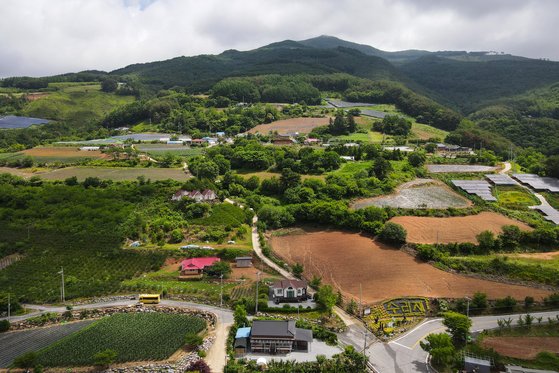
x=417, y=194
x=17, y=343
x=351, y=262
x=458, y=168
x=133, y=336
x=480, y=188
x=432, y=230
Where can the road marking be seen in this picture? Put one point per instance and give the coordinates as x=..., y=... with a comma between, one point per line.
x=399, y=344
x=416, y=327
x=425, y=336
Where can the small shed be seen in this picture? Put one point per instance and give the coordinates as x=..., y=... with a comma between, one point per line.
x=476, y=365
x=243, y=261
x=241, y=341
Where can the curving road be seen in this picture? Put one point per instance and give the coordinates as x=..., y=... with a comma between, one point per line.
x=404, y=354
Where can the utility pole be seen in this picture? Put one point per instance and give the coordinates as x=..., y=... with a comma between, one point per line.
x=9, y=306
x=360, y=300
x=221, y=290
x=62, y=296
x=467, y=307
x=257, y=282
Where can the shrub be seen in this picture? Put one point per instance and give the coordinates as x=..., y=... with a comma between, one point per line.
x=193, y=340
x=27, y=360
x=4, y=325
x=393, y=233
x=200, y=366
x=528, y=301
x=506, y=304
x=105, y=358
x=552, y=300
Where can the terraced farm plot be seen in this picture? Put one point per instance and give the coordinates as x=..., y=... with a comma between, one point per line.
x=134, y=336
x=453, y=229
x=417, y=194
x=458, y=168
x=300, y=125
x=349, y=260
x=61, y=154
x=525, y=348
x=116, y=173
x=15, y=344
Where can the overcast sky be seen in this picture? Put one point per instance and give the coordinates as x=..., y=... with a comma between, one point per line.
x=45, y=37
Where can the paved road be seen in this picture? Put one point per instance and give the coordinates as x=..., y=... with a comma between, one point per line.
x=216, y=355
x=404, y=354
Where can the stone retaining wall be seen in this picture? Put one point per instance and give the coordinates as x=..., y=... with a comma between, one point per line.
x=97, y=313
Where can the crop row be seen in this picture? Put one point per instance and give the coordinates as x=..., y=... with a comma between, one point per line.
x=134, y=337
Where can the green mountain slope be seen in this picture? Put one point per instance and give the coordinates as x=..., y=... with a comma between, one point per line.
x=201, y=72
x=471, y=85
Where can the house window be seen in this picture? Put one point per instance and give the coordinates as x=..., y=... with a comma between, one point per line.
x=279, y=291
x=300, y=291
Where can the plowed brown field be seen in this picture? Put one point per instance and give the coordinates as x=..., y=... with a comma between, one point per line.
x=301, y=125
x=453, y=229
x=522, y=347
x=63, y=152
x=347, y=260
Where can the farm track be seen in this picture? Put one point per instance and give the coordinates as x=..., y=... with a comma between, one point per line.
x=13, y=344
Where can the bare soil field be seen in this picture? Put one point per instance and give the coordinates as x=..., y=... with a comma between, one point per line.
x=525, y=348
x=455, y=228
x=417, y=194
x=545, y=256
x=301, y=125
x=36, y=96
x=444, y=168
x=347, y=260
x=63, y=152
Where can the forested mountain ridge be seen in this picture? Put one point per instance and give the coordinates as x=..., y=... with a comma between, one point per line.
x=200, y=73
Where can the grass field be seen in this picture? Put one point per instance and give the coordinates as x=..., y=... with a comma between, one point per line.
x=268, y=175
x=75, y=101
x=425, y=132
x=516, y=266
x=115, y=173
x=134, y=337
x=514, y=197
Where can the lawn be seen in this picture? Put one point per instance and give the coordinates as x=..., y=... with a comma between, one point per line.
x=133, y=336
x=75, y=101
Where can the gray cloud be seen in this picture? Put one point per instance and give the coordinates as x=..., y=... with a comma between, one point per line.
x=42, y=37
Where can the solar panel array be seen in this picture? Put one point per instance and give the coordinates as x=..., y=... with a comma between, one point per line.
x=549, y=184
x=373, y=113
x=12, y=121
x=501, y=179
x=480, y=188
x=550, y=213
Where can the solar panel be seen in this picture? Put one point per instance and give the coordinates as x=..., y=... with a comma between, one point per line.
x=536, y=182
x=480, y=188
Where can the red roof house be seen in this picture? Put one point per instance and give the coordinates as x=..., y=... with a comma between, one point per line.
x=195, y=266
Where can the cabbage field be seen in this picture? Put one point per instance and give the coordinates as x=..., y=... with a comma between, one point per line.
x=134, y=337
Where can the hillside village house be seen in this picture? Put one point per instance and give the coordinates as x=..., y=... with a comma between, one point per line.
x=206, y=195
x=273, y=337
x=289, y=291
x=196, y=266
x=243, y=261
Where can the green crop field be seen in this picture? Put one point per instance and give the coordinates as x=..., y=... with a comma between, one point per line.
x=75, y=101
x=134, y=337
x=514, y=197
x=223, y=214
x=177, y=150
x=425, y=132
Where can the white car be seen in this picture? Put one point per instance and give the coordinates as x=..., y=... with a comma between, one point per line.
x=231, y=242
